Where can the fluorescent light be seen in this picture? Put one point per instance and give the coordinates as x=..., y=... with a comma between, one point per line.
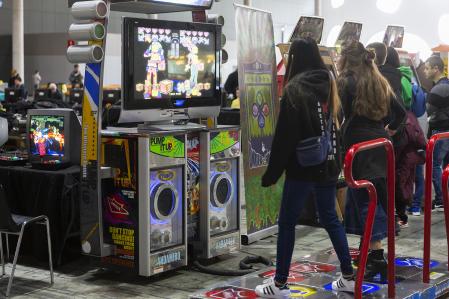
x=388, y=6
x=337, y=3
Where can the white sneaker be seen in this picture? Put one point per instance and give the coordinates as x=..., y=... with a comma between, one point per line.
x=343, y=285
x=269, y=290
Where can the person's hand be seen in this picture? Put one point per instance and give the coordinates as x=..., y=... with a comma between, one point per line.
x=390, y=132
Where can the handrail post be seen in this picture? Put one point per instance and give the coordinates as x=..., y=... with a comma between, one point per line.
x=428, y=203
x=372, y=210
x=445, y=180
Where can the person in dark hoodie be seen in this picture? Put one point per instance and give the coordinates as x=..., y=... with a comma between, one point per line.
x=371, y=111
x=438, y=115
x=390, y=70
x=309, y=103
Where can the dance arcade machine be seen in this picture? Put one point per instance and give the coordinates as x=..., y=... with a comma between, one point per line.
x=218, y=205
x=144, y=200
x=133, y=180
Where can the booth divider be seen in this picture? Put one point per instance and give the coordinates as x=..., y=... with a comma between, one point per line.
x=359, y=184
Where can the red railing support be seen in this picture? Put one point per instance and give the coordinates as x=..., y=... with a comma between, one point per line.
x=428, y=203
x=363, y=146
x=445, y=191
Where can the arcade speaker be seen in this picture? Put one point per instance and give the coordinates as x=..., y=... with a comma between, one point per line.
x=162, y=214
x=219, y=189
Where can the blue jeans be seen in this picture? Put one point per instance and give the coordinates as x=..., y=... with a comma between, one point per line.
x=294, y=196
x=440, y=152
x=419, y=187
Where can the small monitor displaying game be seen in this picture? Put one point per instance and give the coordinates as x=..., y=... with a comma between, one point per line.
x=53, y=138
x=308, y=27
x=350, y=31
x=394, y=36
x=76, y=95
x=170, y=65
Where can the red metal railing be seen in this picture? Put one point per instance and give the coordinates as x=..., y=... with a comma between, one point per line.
x=445, y=188
x=428, y=203
x=363, y=146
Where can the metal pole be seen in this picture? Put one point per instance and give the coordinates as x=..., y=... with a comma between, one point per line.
x=317, y=8
x=18, y=52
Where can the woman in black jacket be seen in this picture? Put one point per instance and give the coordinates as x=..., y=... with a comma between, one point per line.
x=310, y=100
x=371, y=111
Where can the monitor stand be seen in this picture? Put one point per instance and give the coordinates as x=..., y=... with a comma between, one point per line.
x=170, y=126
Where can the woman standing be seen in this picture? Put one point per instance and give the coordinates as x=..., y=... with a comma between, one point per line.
x=310, y=103
x=371, y=111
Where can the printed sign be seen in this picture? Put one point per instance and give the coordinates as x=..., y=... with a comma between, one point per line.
x=231, y=292
x=193, y=185
x=259, y=109
x=221, y=141
x=167, y=146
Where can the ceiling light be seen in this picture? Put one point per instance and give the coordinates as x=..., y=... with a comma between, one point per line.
x=388, y=6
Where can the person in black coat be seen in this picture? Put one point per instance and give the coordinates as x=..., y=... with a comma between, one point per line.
x=371, y=111
x=310, y=102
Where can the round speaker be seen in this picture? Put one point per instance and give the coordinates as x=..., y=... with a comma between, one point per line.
x=221, y=190
x=164, y=201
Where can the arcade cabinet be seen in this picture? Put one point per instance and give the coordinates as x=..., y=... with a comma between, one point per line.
x=41, y=94
x=53, y=138
x=13, y=95
x=111, y=96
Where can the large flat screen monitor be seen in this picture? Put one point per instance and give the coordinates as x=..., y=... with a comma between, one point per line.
x=170, y=66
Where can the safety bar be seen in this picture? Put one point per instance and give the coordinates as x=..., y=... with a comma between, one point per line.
x=428, y=203
x=445, y=188
x=349, y=158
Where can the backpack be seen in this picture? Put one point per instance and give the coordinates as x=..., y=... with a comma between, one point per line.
x=419, y=100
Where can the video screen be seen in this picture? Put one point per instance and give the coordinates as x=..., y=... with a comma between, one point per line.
x=47, y=135
x=394, y=36
x=173, y=63
x=308, y=27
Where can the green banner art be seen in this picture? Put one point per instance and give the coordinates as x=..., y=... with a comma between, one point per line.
x=223, y=140
x=167, y=146
x=259, y=106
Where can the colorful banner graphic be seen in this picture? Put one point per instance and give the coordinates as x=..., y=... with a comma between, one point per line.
x=193, y=185
x=221, y=141
x=120, y=202
x=259, y=109
x=167, y=146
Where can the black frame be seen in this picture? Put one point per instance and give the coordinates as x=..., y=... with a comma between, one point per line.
x=129, y=103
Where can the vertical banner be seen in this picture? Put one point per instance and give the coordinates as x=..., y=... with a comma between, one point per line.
x=259, y=110
x=90, y=205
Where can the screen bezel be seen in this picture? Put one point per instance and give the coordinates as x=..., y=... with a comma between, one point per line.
x=175, y=102
x=184, y=5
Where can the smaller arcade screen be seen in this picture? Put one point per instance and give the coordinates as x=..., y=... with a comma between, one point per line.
x=350, y=31
x=47, y=135
x=170, y=63
x=394, y=36
x=308, y=27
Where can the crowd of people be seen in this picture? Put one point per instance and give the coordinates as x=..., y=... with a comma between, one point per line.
x=15, y=81
x=321, y=117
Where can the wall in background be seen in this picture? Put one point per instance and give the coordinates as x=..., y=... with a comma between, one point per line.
x=47, y=22
x=426, y=22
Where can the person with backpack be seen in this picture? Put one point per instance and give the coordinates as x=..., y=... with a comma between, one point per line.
x=308, y=118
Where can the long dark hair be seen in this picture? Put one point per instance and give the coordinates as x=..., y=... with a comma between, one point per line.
x=303, y=56
x=373, y=92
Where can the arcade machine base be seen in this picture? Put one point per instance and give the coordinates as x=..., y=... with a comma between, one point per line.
x=311, y=278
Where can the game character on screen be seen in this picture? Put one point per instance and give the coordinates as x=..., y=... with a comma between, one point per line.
x=156, y=62
x=194, y=64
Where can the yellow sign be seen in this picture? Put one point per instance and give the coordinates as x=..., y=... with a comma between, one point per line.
x=301, y=291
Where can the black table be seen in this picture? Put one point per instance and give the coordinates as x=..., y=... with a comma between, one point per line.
x=33, y=192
